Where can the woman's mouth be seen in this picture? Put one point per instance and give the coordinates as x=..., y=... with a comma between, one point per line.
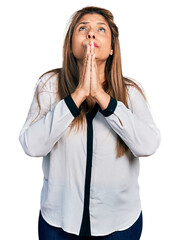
x=95, y=45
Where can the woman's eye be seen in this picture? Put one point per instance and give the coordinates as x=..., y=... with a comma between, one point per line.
x=100, y=29
x=81, y=28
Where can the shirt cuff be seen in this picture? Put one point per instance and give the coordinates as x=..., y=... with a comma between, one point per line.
x=110, y=108
x=72, y=106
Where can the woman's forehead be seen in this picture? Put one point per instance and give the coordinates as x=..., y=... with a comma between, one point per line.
x=92, y=17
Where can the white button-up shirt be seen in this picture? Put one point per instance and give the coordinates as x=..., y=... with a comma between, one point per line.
x=87, y=190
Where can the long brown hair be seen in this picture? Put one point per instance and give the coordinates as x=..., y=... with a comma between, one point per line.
x=115, y=83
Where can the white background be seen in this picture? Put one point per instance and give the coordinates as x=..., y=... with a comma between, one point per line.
x=32, y=34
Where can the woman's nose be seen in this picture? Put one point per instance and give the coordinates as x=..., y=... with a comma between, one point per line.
x=90, y=36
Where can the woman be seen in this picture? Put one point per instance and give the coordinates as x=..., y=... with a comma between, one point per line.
x=90, y=124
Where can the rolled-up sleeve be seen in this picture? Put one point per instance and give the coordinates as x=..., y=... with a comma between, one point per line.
x=134, y=125
x=44, y=127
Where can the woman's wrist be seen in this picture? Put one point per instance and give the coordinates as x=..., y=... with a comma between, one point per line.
x=78, y=96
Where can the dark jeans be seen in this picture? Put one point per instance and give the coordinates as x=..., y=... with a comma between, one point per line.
x=48, y=232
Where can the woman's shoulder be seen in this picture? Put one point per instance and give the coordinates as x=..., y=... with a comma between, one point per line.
x=49, y=80
x=135, y=92
x=50, y=73
x=133, y=87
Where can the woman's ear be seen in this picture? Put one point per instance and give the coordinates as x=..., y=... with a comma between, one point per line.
x=111, y=53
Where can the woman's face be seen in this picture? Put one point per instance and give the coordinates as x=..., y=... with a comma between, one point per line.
x=92, y=27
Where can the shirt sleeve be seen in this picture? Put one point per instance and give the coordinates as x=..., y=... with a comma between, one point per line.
x=44, y=127
x=135, y=126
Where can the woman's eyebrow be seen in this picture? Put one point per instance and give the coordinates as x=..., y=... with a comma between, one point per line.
x=89, y=22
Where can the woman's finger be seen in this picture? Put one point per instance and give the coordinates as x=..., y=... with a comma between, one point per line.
x=88, y=60
x=85, y=60
x=92, y=56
